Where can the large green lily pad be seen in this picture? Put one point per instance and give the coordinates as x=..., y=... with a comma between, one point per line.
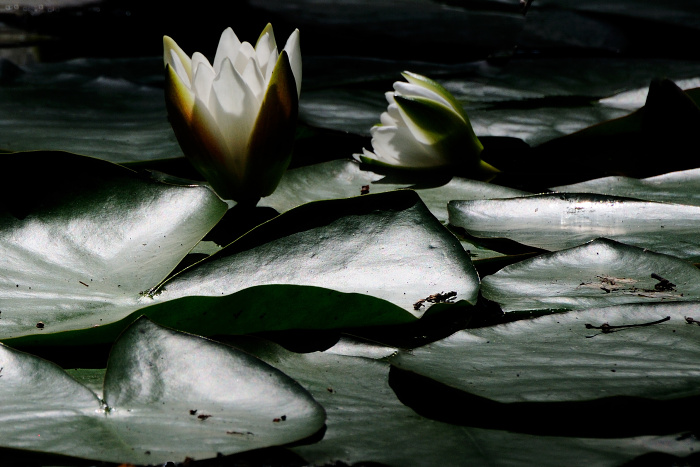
x=388, y=246
x=599, y=273
x=558, y=358
x=327, y=180
x=557, y=221
x=82, y=238
x=167, y=396
x=345, y=179
x=352, y=381
x=343, y=263
x=107, y=107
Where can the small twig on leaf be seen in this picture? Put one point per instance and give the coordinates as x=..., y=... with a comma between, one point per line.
x=607, y=329
x=688, y=320
x=442, y=297
x=664, y=285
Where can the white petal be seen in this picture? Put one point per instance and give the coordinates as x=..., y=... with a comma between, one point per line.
x=392, y=112
x=396, y=146
x=268, y=42
x=203, y=117
x=235, y=108
x=245, y=53
x=387, y=119
x=271, y=61
x=389, y=96
x=197, y=59
x=412, y=90
x=263, y=49
x=228, y=48
x=254, y=79
x=177, y=59
x=365, y=153
x=180, y=69
x=383, y=147
x=293, y=49
x=203, y=76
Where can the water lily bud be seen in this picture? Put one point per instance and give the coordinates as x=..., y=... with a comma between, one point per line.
x=235, y=119
x=424, y=127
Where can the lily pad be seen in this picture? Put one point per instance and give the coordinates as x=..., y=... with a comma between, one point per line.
x=345, y=263
x=352, y=381
x=327, y=180
x=559, y=358
x=346, y=179
x=167, y=396
x=682, y=187
x=635, y=98
x=631, y=145
x=364, y=417
x=557, y=221
x=599, y=273
x=82, y=237
x=276, y=307
x=462, y=188
x=387, y=245
x=105, y=107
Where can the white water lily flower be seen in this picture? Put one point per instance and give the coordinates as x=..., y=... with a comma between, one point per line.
x=424, y=127
x=235, y=119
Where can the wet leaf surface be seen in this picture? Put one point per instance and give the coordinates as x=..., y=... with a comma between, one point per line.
x=599, y=273
x=567, y=357
x=676, y=187
x=356, y=385
x=557, y=221
x=333, y=264
x=81, y=238
x=167, y=396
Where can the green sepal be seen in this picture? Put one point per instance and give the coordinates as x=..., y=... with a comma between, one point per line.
x=442, y=128
x=427, y=83
x=272, y=138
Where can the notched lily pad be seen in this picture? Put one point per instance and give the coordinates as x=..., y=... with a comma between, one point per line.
x=81, y=237
x=608, y=372
x=358, y=262
x=388, y=246
x=346, y=179
x=354, y=383
x=599, y=273
x=167, y=396
x=631, y=145
x=557, y=221
x=568, y=357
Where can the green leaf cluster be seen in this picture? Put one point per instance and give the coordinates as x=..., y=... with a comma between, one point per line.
x=447, y=317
